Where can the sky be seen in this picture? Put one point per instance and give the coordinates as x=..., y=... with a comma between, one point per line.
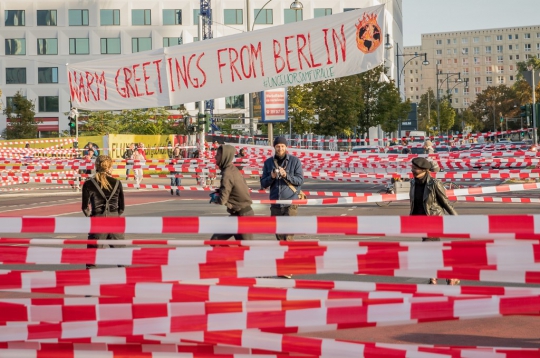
x=428, y=16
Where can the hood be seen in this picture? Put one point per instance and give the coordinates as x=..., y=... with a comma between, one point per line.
x=227, y=155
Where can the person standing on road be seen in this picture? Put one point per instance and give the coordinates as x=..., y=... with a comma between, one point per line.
x=428, y=197
x=283, y=174
x=428, y=147
x=102, y=196
x=175, y=180
x=128, y=155
x=138, y=160
x=233, y=191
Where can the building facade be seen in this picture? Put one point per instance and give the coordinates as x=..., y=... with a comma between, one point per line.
x=480, y=58
x=38, y=39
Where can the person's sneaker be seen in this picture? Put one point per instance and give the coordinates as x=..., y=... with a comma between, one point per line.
x=178, y=193
x=172, y=192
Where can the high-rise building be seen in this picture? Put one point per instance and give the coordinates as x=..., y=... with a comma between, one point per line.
x=480, y=58
x=38, y=38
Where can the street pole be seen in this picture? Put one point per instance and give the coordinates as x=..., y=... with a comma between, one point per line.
x=438, y=103
x=398, y=84
x=494, y=123
x=535, y=140
x=201, y=103
x=250, y=95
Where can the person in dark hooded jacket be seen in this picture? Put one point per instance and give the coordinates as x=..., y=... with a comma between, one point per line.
x=233, y=190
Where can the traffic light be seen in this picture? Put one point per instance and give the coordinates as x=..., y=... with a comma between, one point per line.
x=207, y=119
x=525, y=111
x=72, y=125
x=200, y=122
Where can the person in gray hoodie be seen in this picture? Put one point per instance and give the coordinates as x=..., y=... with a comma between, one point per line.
x=233, y=191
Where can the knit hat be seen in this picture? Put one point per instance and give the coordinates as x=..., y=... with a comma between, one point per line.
x=280, y=140
x=422, y=163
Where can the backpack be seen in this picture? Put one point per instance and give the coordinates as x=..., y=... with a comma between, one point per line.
x=128, y=154
x=107, y=211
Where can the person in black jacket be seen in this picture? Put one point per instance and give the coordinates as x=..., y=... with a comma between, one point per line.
x=278, y=172
x=102, y=195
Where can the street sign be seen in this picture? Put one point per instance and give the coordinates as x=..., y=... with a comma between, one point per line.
x=239, y=126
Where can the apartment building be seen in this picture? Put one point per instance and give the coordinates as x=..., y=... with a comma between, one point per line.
x=38, y=39
x=480, y=58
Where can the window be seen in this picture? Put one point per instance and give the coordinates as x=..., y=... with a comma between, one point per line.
x=15, y=75
x=527, y=47
x=498, y=38
x=439, y=52
x=15, y=46
x=349, y=9
x=196, y=13
x=109, y=17
x=510, y=47
x=500, y=59
x=488, y=60
x=476, y=50
x=320, y=12
x=448, y=51
x=439, y=42
x=141, y=17
x=477, y=70
x=465, y=51
x=292, y=15
x=110, y=46
x=538, y=35
x=195, y=39
x=454, y=40
x=454, y=50
x=233, y=16
x=511, y=78
x=9, y=102
x=464, y=61
x=172, y=16
x=449, y=61
x=500, y=79
x=499, y=49
x=455, y=60
x=456, y=90
x=48, y=104
x=466, y=71
x=516, y=36
x=489, y=80
x=500, y=69
x=448, y=41
x=488, y=70
x=466, y=100
x=538, y=47
x=510, y=37
x=487, y=38
x=47, y=46
x=79, y=46
x=477, y=80
x=476, y=39
x=511, y=57
x=78, y=17
x=139, y=44
x=464, y=40
x=171, y=41
x=477, y=90
x=48, y=75
x=517, y=57
x=235, y=101
x=527, y=56
x=266, y=16
x=527, y=36
x=476, y=60
x=14, y=18
x=46, y=18
x=488, y=49
x=511, y=67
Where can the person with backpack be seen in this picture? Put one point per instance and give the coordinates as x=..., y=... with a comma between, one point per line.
x=175, y=180
x=102, y=196
x=128, y=155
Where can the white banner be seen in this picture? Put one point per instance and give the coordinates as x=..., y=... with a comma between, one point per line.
x=288, y=55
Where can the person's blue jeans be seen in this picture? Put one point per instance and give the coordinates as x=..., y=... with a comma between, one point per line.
x=175, y=181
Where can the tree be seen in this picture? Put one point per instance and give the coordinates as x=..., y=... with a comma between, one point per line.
x=301, y=108
x=338, y=103
x=381, y=102
x=21, y=112
x=494, y=102
x=427, y=101
x=447, y=116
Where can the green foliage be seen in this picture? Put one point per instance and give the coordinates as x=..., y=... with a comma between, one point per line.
x=493, y=102
x=22, y=125
x=447, y=114
x=301, y=108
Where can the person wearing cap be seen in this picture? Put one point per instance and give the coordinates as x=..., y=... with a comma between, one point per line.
x=233, y=191
x=428, y=197
x=278, y=171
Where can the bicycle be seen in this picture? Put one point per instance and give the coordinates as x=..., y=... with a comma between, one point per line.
x=395, y=186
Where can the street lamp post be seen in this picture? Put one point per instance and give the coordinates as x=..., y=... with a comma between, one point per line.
x=534, y=114
x=425, y=62
x=295, y=5
x=448, y=75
